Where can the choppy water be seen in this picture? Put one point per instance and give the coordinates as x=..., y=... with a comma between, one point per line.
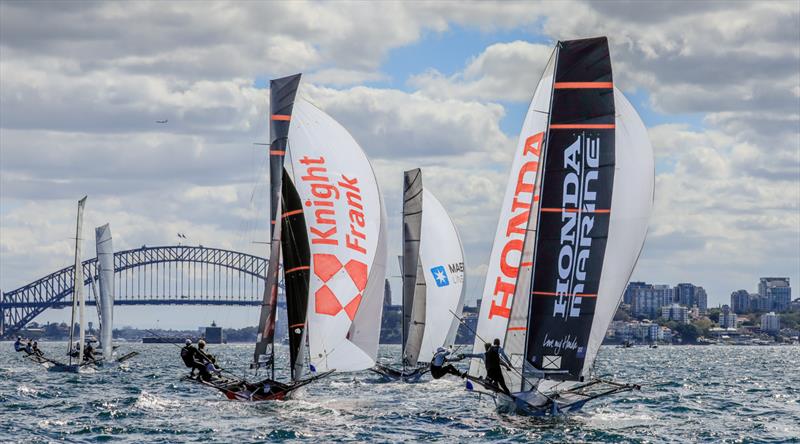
x=696, y=394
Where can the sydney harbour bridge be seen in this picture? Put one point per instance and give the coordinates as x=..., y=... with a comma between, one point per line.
x=163, y=275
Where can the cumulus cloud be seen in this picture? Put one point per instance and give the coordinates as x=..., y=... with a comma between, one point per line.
x=81, y=91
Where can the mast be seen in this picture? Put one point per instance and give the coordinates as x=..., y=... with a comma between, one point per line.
x=574, y=211
x=413, y=277
x=77, y=292
x=282, y=95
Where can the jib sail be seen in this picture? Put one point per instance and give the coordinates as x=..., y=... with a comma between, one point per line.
x=413, y=277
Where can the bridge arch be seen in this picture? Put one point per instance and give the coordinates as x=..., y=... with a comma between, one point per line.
x=147, y=276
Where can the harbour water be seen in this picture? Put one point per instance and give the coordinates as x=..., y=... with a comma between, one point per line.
x=689, y=394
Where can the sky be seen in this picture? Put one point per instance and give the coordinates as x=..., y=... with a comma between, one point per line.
x=439, y=85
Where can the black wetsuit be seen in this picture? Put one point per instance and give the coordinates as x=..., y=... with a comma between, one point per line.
x=191, y=359
x=493, y=371
x=439, y=369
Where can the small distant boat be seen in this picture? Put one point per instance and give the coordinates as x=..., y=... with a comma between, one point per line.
x=433, y=281
x=575, y=216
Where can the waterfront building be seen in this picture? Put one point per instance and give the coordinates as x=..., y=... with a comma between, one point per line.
x=627, y=297
x=777, y=291
x=691, y=295
x=727, y=318
x=740, y=301
x=675, y=312
x=770, y=322
x=647, y=300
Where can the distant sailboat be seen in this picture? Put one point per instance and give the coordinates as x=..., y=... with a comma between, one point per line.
x=76, y=359
x=572, y=225
x=433, y=280
x=327, y=223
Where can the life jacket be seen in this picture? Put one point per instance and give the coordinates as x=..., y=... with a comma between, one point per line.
x=492, y=360
x=187, y=354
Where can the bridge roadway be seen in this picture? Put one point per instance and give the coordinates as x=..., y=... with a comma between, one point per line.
x=163, y=275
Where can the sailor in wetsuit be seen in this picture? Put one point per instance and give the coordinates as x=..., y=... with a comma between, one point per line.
x=191, y=359
x=438, y=369
x=18, y=347
x=29, y=347
x=88, y=352
x=36, y=350
x=493, y=358
x=210, y=360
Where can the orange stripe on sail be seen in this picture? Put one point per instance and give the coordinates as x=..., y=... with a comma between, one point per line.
x=582, y=126
x=297, y=325
x=277, y=152
x=284, y=117
x=526, y=264
x=575, y=210
x=583, y=85
x=517, y=328
x=292, y=213
x=300, y=268
x=547, y=293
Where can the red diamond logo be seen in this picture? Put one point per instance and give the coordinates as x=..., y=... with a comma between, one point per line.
x=352, y=307
x=326, y=265
x=358, y=273
x=325, y=302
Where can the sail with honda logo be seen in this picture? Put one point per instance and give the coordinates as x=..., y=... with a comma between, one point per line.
x=433, y=280
x=589, y=200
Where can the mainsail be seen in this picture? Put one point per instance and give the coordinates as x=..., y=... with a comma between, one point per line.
x=105, y=262
x=345, y=219
x=413, y=276
x=296, y=266
x=282, y=94
x=433, y=277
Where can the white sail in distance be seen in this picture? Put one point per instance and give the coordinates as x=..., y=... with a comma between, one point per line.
x=441, y=256
x=105, y=267
x=345, y=217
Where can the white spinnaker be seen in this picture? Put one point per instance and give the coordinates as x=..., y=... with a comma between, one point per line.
x=440, y=246
x=344, y=215
x=105, y=262
x=504, y=262
x=631, y=205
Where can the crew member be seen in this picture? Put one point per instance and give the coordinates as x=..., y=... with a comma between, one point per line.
x=210, y=360
x=438, y=367
x=88, y=352
x=36, y=350
x=18, y=347
x=493, y=359
x=29, y=347
x=190, y=358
